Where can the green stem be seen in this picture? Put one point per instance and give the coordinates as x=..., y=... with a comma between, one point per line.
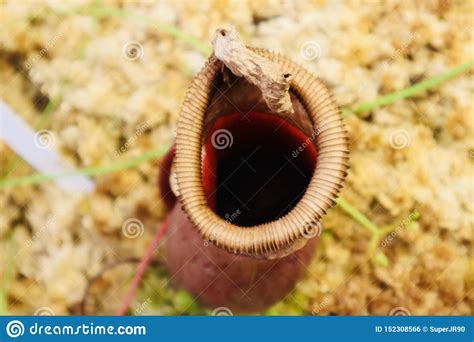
x=413, y=90
x=172, y=30
x=90, y=171
x=374, y=241
x=357, y=215
x=414, y=216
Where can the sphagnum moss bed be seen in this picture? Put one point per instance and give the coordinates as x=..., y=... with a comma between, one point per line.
x=107, y=83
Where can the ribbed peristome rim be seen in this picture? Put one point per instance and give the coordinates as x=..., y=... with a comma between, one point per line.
x=277, y=237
